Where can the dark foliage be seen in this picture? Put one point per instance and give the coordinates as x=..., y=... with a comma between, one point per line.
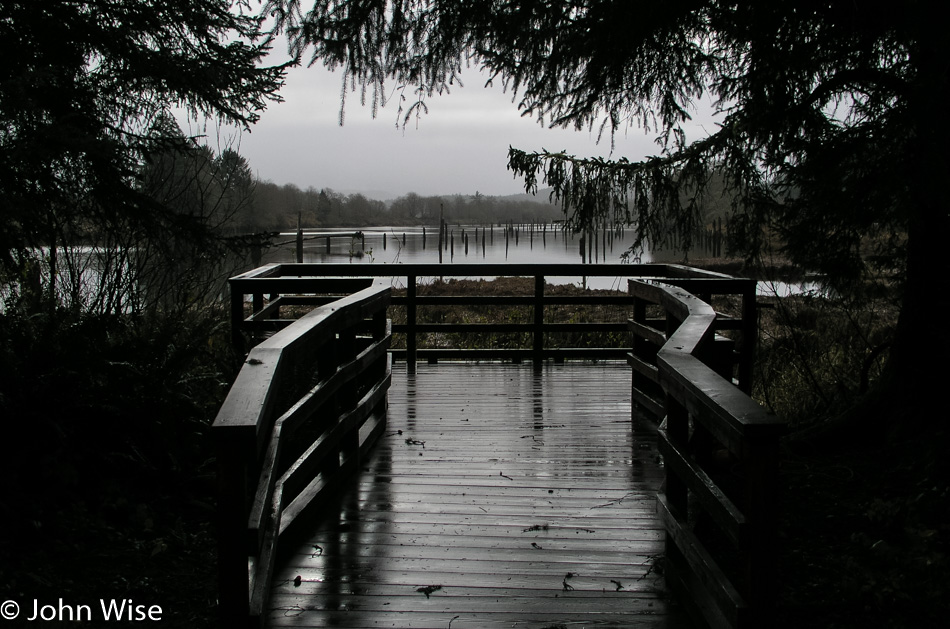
x=110, y=239
x=82, y=88
x=826, y=143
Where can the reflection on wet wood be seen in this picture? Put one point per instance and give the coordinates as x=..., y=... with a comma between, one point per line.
x=500, y=496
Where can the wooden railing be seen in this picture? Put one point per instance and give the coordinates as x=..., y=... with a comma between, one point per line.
x=307, y=404
x=720, y=450
x=692, y=369
x=290, y=285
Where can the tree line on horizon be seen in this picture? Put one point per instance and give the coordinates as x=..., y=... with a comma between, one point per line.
x=274, y=206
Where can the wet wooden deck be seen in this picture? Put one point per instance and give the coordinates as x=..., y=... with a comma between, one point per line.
x=499, y=496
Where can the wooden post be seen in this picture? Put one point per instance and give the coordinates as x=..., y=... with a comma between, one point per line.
x=299, y=240
x=760, y=471
x=538, y=349
x=638, y=346
x=750, y=331
x=411, y=324
x=232, y=513
x=237, y=318
x=441, y=232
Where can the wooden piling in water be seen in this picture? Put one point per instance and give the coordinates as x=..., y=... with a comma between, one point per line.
x=299, y=240
x=441, y=230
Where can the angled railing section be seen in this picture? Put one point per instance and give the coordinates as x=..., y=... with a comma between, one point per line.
x=307, y=404
x=271, y=289
x=720, y=450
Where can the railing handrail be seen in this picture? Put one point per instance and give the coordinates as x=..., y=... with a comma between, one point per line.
x=311, y=278
x=330, y=366
x=697, y=393
x=455, y=269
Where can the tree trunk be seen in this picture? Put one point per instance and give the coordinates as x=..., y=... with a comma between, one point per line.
x=917, y=366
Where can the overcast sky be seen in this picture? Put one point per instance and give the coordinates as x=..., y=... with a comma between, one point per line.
x=460, y=146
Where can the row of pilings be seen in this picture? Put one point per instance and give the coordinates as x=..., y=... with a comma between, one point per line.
x=594, y=244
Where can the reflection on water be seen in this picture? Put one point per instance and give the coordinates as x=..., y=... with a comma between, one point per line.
x=469, y=245
x=493, y=245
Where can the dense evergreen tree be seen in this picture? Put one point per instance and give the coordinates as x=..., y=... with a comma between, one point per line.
x=84, y=88
x=830, y=139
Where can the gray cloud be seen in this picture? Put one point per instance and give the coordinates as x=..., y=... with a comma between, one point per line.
x=460, y=146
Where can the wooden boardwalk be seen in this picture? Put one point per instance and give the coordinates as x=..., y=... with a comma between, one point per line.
x=499, y=496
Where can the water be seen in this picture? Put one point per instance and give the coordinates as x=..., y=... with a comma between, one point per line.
x=485, y=245
x=405, y=245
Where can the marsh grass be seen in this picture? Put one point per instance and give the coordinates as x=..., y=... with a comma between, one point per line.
x=518, y=314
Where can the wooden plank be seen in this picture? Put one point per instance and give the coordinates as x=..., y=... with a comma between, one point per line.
x=286, y=425
x=722, y=510
x=709, y=578
x=653, y=406
x=723, y=409
x=644, y=368
x=567, y=353
x=283, y=284
x=499, y=328
x=306, y=467
x=476, y=270
x=649, y=331
x=471, y=583
x=524, y=477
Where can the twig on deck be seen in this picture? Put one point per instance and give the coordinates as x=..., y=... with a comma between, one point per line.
x=614, y=502
x=429, y=589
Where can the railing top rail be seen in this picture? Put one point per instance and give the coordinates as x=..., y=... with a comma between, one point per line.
x=268, y=270
x=705, y=388
x=307, y=269
x=248, y=402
